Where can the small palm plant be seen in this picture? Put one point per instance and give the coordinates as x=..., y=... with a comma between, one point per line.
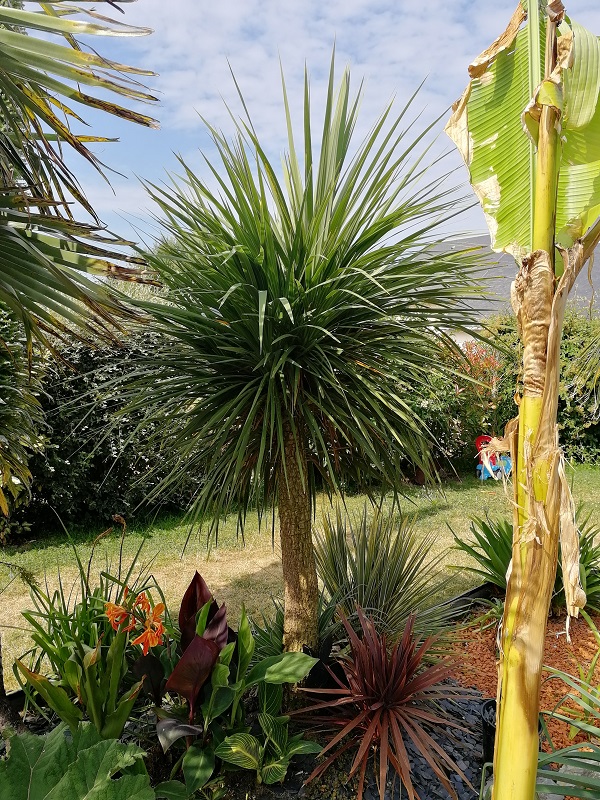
x=296, y=308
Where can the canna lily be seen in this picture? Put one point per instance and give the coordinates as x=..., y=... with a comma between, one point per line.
x=153, y=629
x=117, y=615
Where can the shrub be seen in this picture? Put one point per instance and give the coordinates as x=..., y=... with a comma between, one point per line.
x=491, y=547
x=213, y=671
x=92, y=465
x=93, y=655
x=390, y=695
x=379, y=563
x=480, y=398
x=21, y=423
x=578, y=420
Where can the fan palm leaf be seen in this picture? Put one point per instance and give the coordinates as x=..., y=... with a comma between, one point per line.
x=44, y=253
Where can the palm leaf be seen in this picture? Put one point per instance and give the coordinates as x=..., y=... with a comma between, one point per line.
x=44, y=253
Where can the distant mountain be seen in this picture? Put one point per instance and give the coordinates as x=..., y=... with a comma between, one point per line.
x=500, y=270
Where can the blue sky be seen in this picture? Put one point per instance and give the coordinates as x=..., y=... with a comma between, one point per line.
x=392, y=45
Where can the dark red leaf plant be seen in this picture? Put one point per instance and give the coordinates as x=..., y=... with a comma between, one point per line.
x=390, y=697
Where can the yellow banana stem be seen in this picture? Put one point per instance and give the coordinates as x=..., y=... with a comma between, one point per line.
x=537, y=492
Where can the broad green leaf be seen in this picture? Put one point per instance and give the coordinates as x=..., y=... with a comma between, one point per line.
x=283, y=668
x=488, y=127
x=303, y=747
x=275, y=771
x=54, y=767
x=198, y=765
x=242, y=750
x=171, y=790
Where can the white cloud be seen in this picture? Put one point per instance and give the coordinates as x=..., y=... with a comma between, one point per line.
x=393, y=45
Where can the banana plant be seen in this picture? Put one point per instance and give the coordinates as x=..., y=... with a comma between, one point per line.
x=528, y=128
x=46, y=76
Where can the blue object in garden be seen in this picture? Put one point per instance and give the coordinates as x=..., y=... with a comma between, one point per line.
x=498, y=465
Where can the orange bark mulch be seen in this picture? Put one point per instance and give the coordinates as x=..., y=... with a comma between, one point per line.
x=478, y=666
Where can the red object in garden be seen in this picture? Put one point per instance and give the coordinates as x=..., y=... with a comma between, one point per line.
x=482, y=470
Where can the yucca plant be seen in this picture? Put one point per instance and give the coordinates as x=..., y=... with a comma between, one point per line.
x=377, y=561
x=390, y=698
x=297, y=305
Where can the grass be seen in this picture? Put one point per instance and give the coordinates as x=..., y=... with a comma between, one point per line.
x=247, y=572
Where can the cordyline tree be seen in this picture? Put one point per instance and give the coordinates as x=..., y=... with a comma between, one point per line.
x=297, y=305
x=528, y=127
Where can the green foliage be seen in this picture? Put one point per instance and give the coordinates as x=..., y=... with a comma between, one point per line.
x=77, y=767
x=93, y=467
x=378, y=562
x=491, y=548
x=90, y=659
x=460, y=406
x=580, y=709
x=268, y=633
x=214, y=677
x=479, y=397
x=578, y=422
x=270, y=758
x=21, y=420
x=297, y=306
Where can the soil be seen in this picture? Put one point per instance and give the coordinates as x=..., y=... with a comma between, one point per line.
x=478, y=665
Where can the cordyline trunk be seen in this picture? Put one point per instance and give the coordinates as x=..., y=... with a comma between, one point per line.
x=297, y=553
x=541, y=493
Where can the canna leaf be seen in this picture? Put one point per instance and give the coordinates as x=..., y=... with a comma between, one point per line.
x=193, y=670
x=242, y=750
x=198, y=765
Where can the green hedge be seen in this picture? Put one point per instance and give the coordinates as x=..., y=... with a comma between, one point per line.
x=92, y=466
x=457, y=412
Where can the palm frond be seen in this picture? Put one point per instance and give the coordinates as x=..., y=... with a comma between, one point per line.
x=44, y=253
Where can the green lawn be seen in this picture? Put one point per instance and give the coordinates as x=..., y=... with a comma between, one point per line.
x=250, y=572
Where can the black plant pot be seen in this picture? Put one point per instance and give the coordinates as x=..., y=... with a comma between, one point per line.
x=488, y=725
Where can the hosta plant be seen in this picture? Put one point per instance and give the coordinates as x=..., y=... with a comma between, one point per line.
x=389, y=697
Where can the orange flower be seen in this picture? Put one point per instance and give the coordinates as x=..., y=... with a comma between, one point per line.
x=117, y=615
x=153, y=629
x=142, y=601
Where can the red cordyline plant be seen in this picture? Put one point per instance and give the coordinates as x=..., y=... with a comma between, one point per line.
x=390, y=697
